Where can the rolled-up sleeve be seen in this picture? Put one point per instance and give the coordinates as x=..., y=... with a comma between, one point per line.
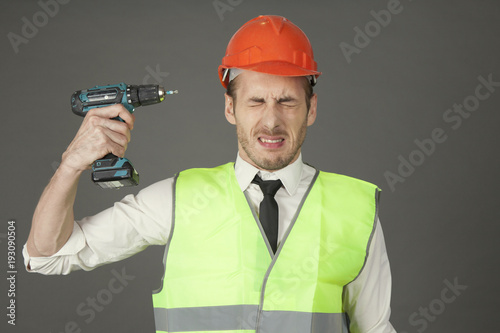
x=124, y=229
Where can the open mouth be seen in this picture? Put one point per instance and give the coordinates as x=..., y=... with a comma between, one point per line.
x=271, y=142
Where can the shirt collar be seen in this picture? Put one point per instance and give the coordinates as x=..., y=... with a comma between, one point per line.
x=289, y=175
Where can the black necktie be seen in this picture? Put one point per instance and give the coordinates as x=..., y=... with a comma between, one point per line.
x=268, y=215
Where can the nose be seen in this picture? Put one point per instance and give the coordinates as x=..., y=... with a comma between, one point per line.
x=271, y=117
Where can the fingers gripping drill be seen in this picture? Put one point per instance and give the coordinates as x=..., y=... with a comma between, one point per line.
x=112, y=171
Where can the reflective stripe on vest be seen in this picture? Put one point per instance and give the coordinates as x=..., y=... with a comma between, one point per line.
x=236, y=318
x=221, y=277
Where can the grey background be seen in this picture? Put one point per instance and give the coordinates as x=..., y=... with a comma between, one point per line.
x=440, y=224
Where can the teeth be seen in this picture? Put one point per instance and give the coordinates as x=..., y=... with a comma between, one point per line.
x=270, y=141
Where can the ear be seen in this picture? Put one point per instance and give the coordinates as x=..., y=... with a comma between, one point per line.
x=311, y=116
x=229, y=109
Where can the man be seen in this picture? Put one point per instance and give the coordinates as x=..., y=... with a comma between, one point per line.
x=268, y=244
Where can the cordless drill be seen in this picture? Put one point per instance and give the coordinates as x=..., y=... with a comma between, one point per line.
x=112, y=171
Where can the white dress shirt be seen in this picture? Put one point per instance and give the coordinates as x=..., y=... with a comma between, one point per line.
x=145, y=219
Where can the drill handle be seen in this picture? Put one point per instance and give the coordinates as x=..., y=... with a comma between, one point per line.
x=110, y=155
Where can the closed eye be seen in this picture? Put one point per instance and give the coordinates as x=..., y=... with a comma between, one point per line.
x=256, y=101
x=287, y=101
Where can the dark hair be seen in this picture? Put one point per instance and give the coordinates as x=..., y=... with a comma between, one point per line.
x=232, y=85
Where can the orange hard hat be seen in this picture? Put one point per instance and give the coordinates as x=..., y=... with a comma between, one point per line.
x=269, y=44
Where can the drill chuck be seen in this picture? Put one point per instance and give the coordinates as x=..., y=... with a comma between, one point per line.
x=145, y=94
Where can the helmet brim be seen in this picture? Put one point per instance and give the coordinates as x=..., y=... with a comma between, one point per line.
x=271, y=67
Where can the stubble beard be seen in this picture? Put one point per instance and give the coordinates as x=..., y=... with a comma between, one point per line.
x=269, y=162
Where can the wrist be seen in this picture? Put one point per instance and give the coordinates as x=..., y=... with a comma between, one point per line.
x=67, y=171
x=72, y=163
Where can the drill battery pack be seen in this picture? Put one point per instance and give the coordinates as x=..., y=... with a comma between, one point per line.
x=113, y=172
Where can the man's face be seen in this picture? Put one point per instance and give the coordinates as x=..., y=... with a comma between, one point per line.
x=271, y=117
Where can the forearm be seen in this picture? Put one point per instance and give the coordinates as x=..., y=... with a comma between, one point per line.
x=98, y=135
x=53, y=218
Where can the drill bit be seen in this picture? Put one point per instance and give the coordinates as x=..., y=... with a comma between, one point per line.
x=162, y=92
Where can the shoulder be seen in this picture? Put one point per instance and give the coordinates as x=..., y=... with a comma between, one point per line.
x=220, y=173
x=345, y=180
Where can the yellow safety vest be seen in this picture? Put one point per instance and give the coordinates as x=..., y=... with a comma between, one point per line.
x=220, y=276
